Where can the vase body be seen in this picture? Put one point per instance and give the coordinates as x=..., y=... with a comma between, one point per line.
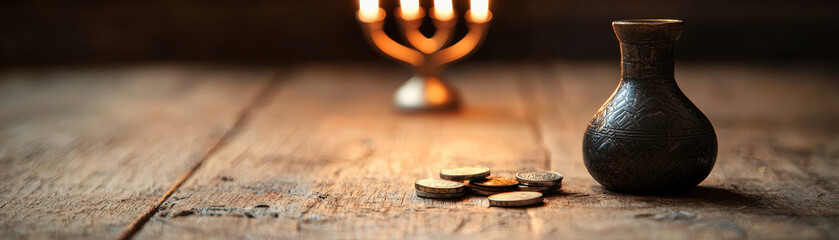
x=649, y=137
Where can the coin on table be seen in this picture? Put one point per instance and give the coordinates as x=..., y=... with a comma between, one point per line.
x=515, y=199
x=431, y=185
x=425, y=194
x=541, y=189
x=539, y=178
x=464, y=173
x=487, y=192
x=495, y=182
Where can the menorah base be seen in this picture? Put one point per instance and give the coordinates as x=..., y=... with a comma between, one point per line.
x=426, y=93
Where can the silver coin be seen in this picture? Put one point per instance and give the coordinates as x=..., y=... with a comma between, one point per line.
x=515, y=199
x=464, y=173
x=425, y=194
x=431, y=185
x=541, y=189
x=539, y=178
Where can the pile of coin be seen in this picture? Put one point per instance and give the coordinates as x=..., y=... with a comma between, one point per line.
x=527, y=189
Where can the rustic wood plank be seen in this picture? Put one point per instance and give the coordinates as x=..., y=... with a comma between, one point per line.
x=327, y=157
x=775, y=177
x=86, y=151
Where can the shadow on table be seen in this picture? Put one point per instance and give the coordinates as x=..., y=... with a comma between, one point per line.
x=464, y=112
x=716, y=196
x=702, y=196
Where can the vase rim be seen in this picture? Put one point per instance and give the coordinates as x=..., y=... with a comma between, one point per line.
x=647, y=21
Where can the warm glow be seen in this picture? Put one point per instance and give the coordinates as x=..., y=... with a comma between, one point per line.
x=436, y=93
x=369, y=10
x=443, y=9
x=410, y=9
x=479, y=10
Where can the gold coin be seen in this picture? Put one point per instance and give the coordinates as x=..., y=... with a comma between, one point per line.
x=515, y=199
x=431, y=185
x=464, y=173
x=496, y=182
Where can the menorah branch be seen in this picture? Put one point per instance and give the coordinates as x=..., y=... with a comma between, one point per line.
x=410, y=29
x=374, y=30
x=467, y=45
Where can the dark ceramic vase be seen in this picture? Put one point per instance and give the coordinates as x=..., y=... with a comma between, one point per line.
x=649, y=137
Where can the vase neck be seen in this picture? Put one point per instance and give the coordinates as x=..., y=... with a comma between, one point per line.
x=647, y=61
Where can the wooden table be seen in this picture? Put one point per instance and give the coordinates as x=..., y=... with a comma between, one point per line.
x=167, y=151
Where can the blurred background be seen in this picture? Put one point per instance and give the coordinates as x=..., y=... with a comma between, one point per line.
x=50, y=32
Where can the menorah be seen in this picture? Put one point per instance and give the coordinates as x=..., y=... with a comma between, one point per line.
x=426, y=90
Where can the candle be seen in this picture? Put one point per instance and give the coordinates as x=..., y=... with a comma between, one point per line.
x=410, y=9
x=369, y=10
x=443, y=9
x=479, y=10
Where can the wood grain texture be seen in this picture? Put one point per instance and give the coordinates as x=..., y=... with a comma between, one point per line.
x=85, y=151
x=328, y=158
x=325, y=156
x=343, y=169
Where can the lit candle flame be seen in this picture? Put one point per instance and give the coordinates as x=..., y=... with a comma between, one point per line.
x=369, y=10
x=410, y=9
x=479, y=10
x=443, y=9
